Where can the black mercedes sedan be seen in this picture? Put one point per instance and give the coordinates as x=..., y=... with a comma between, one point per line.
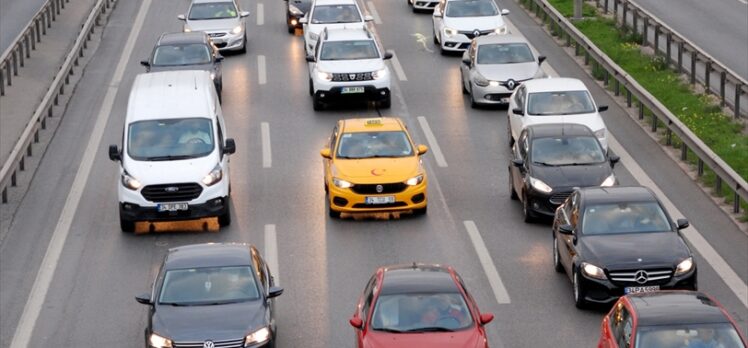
x=212, y=295
x=296, y=9
x=613, y=241
x=549, y=160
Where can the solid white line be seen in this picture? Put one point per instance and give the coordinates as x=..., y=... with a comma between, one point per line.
x=499, y=291
x=398, y=68
x=260, y=14
x=38, y=295
x=271, y=252
x=374, y=13
x=261, y=70
x=267, y=160
x=434, y=146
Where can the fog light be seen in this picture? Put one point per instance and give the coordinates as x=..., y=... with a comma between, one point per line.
x=218, y=201
x=294, y=22
x=535, y=205
x=321, y=95
x=418, y=198
x=383, y=93
x=340, y=201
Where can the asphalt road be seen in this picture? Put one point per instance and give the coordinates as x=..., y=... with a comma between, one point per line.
x=323, y=263
x=14, y=15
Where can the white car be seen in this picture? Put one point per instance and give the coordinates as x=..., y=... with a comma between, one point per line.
x=423, y=5
x=349, y=64
x=456, y=22
x=332, y=14
x=556, y=100
x=495, y=65
x=221, y=19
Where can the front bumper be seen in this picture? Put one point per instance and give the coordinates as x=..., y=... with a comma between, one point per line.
x=606, y=291
x=491, y=94
x=212, y=208
x=348, y=201
x=455, y=43
x=546, y=203
x=229, y=41
x=370, y=93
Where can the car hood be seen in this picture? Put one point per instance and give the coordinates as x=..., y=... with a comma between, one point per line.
x=503, y=72
x=318, y=27
x=156, y=68
x=376, y=170
x=179, y=171
x=199, y=323
x=472, y=23
x=350, y=66
x=467, y=339
x=209, y=25
x=571, y=176
x=622, y=251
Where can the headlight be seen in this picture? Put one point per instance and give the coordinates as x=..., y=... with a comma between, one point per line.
x=415, y=180
x=295, y=10
x=237, y=30
x=609, y=181
x=159, y=342
x=259, y=336
x=313, y=36
x=130, y=182
x=593, y=271
x=481, y=81
x=539, y=185
x=214, y=176
x=450, y=31
x=379, y=73
x=212, y=76
x=341, y=183
x=600, y=133
x=684, y=266
x=187, y=30
x=324, y=75
x=501, y=30
x=493, y=83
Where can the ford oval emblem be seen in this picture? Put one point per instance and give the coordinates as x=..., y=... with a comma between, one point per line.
x=171, y=189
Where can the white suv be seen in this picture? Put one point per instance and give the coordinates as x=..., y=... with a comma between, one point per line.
x=332, y=14
x=457, y=22
x=348, y=64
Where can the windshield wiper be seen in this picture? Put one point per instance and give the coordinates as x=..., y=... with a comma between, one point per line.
x=545, y=164
x=167, y=157
x=178, y=304
x=385, y=329
x=430, y=329
x=581, y=163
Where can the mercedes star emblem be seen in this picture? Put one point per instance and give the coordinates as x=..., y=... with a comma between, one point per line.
x=209, y=344
x=380, y=188
x=641, y=277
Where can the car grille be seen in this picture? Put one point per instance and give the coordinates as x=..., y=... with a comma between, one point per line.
x=366, y=76
x=217, y=34
x=629, y=277
x=471, y=34
x=559, y=197
x=237, y=343
x=183, y=192
x=372, y=188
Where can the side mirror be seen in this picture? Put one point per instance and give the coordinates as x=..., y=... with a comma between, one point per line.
x=356, y=322
x=387, y=55
x=325, y=153
x=219, y=58
x=541, y=59
x=682, y=223
x=145, y=63
x=230, y=146
x=565, y=229
x=303, y=20
x=613, y=160
x=368, y=18
x=181, y=17
x=144, y=299
x=518, y=112
x=504, y=12
x=422, y=149
x=466, y=60
x=275, y=291
x=518, y=162
x=602, y=108
x=114, y=153
x=310, y=58
x=243, y=14
x=485, y=318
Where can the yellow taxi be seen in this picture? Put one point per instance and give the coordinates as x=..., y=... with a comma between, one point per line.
x=372, y=165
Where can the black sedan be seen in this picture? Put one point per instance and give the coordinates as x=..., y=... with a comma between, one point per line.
x=296, y=9
x=212, y=295
x=550, y=160
x=613, y=241
x=186, y=51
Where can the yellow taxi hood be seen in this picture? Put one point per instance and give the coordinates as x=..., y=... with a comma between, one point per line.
x=376, y=170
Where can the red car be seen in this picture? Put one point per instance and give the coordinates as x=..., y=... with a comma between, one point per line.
x=418, y=306
x=669, y=319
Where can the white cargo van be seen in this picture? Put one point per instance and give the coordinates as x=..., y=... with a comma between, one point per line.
x=175, y=151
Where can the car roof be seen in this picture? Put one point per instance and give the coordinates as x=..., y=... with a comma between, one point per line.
x=182, y=38
x=381, y=124
x=208, y=255
x=676, y=307
x=348, y=34
x=417, y=278
x=557, y=84
x=498, y=39
x=558, y=130
x=171, y=94
x=616, y=194
x=333, y=2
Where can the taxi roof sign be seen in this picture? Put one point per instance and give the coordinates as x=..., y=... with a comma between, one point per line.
x=374, y=122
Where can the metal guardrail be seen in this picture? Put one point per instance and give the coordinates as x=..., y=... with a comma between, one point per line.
x=623, y=83
x=15, y=54
x=681, y=54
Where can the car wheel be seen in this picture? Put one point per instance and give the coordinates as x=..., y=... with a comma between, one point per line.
x=556, y=260
x=126, y=225
x=420, y=211
x=578, y=291
x=436, y=41
x=333, y=213
x=311, y=87
x=473, y=103
x=526, y=210
x=225, y=218
x=291, y=30
x=386, y=103
x=244, y=44
x=462, y=82
x=317, y=103
x=512, y=191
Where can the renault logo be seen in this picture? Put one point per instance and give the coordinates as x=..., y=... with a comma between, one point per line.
x=641, y=277
x=209, y=344
x=380, y=188
x=352, y=76
x=171, y=189
x=510, y=84
x=476, y=32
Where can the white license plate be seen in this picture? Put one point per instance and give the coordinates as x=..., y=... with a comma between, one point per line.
x=349, y=90
x=638, y=289
x=172, y=206
x=380, y=200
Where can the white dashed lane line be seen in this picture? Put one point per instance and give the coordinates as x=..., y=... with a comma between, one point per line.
x=271, y=252
x=499, y=291
x=374, y=13
x=395, y=63
x=433, y=145
x=261, y=70
x=267, y=159
x=260, y=14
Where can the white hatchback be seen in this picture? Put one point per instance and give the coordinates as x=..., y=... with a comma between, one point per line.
x=556, y=100
x=331, y=14
x=457, y=22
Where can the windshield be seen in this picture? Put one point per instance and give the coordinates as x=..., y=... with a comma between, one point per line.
x=560, y=151
x=722, y=335
x=629, y=217
x=504, y=53
x=471, y=8
x=212, y=10
x=374, y=144
x=209, y=285
x=560, y=103
x=170, y=139
x=190, y=54
x=417, y=312
x=345, y=50
x=325, y=14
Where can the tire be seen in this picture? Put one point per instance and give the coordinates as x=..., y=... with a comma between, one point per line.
x=386, y=103
x=436, y=42
x=244, y=45
x=473, y=104
x=462, y=82
x=332, y=213
x=291, y=30
x=311, y=87
x=556, y=260
x=420, y=211
x=127, y=226
x=317, y=104
x=512, y=192
x=225, y=218
x=526, y=211
x=578, y=291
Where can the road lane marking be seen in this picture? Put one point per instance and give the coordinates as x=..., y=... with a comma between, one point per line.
x=374, y=13
x=260, y=14
x=434, y=146
x=267, y=160
x=261, y=70
x=398, y=68
x=499, y=291
x=38, y=294
x=271, y=252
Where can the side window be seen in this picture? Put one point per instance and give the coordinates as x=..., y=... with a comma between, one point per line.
x=519, y=98
x=333, y=138
x=523, y=146
x=317, y=46
x=259, y=267
x=220, y=135
x=368, y=297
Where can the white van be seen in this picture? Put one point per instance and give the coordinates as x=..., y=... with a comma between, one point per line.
x=174, y=157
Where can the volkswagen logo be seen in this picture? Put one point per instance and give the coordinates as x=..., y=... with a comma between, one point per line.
x=171, y=189
x=352, y=76
x=641, y=277
x=510, y=84
x=476, y=32
x=209, y=344
x=380, y=188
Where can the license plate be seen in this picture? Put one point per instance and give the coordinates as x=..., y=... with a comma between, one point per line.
x=349, y=90
x=172, y=206
x=639, y=289
x=380, y=200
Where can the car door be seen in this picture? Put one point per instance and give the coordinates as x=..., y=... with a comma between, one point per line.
x=466, y=69
x=567, y=250
x=517, y=102
x=564, y=216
